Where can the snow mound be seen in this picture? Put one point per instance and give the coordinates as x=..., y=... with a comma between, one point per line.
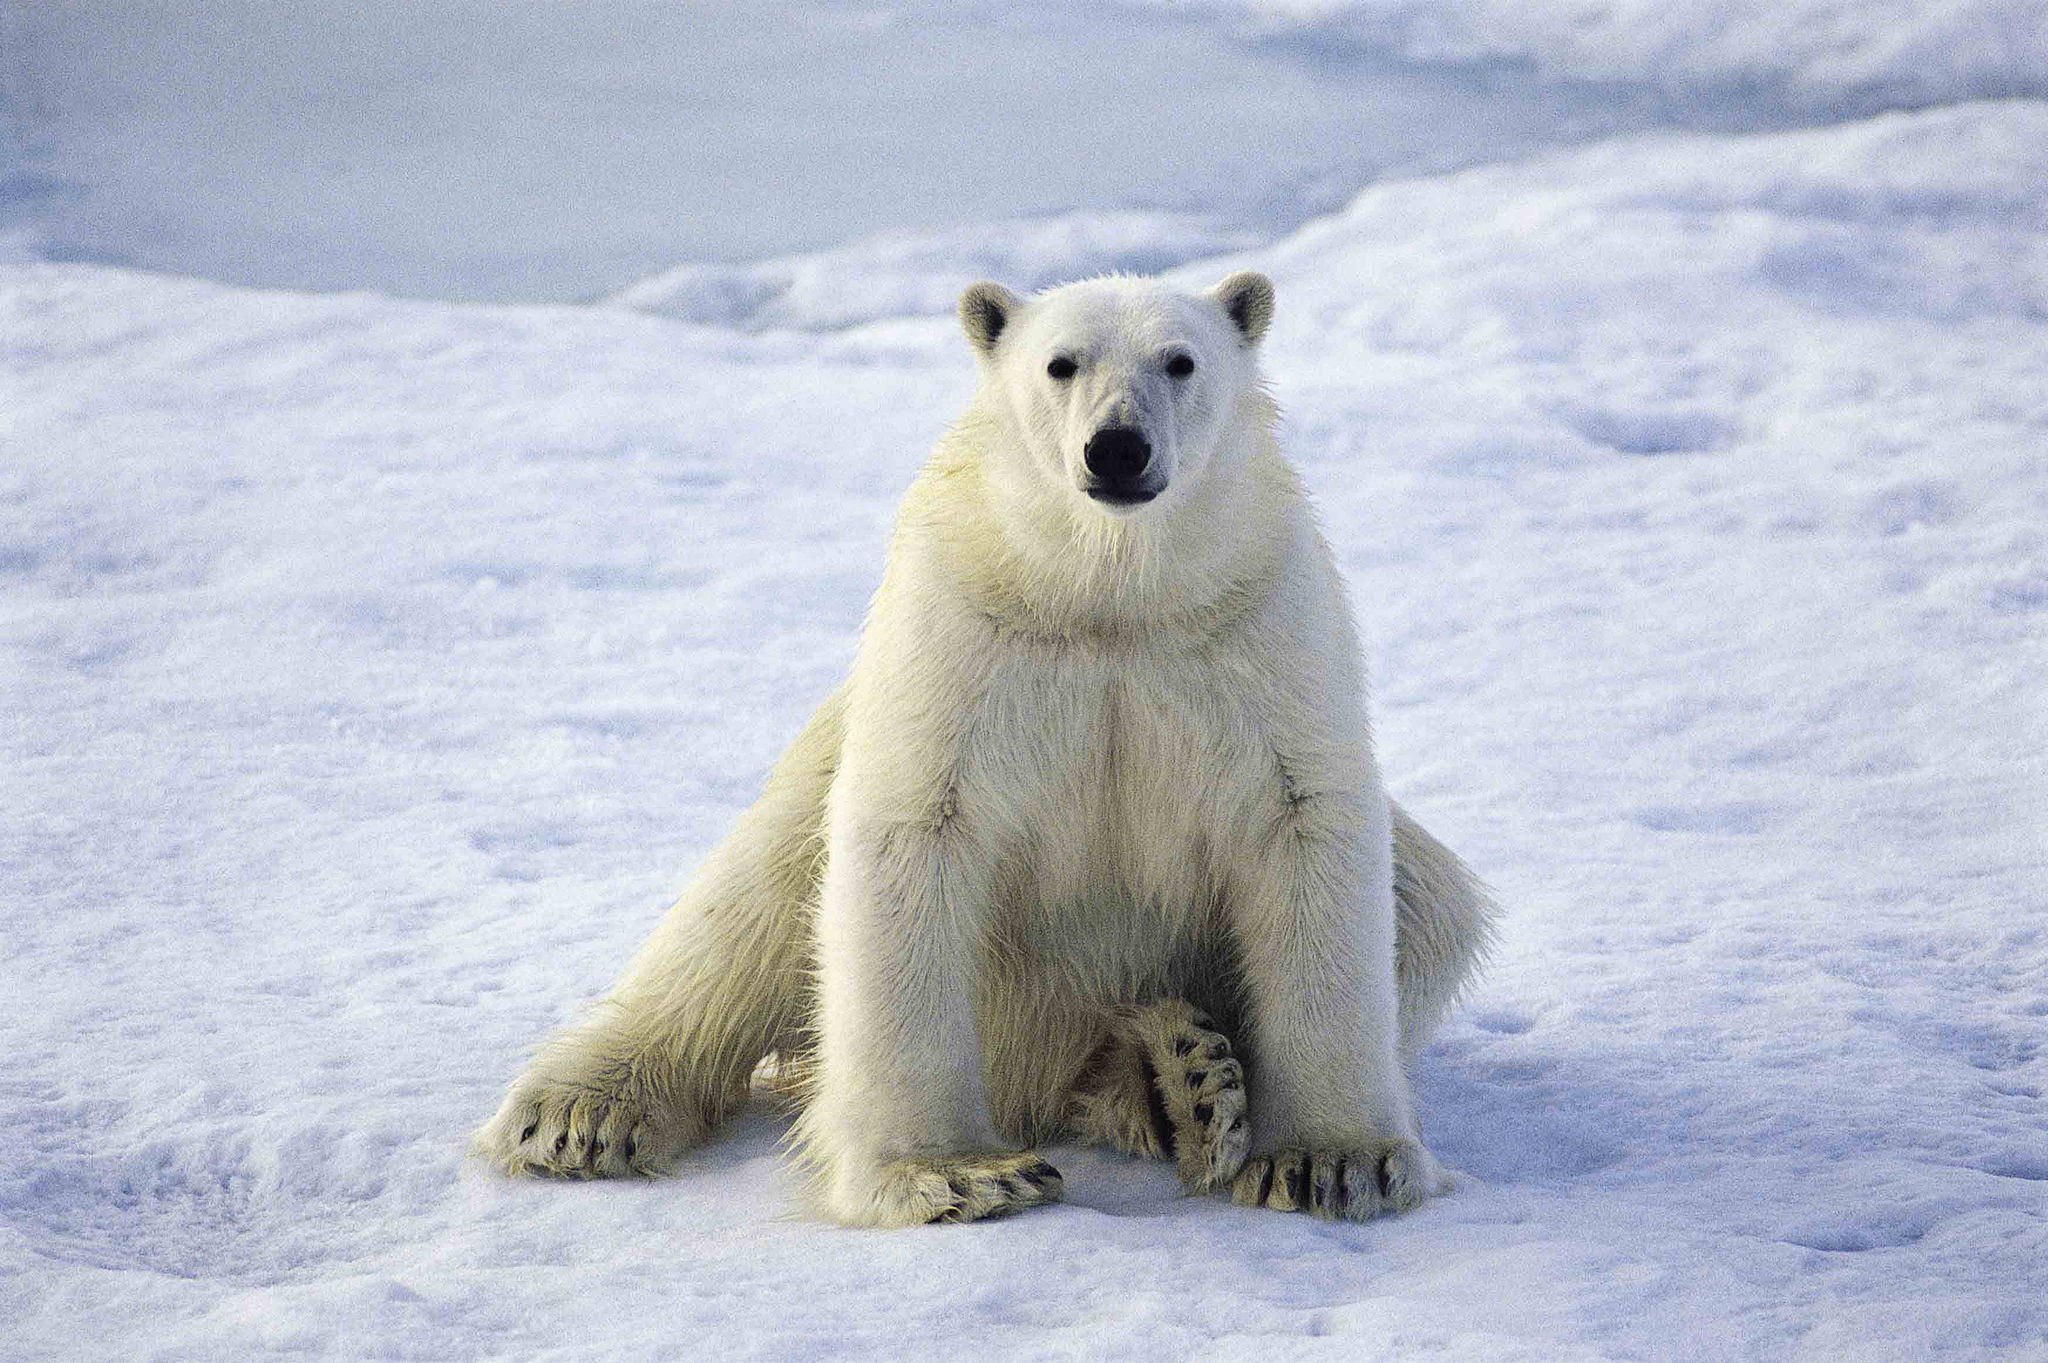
x=922, y=274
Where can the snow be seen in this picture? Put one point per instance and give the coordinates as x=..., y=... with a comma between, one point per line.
x=529, y=151
x=922, y=274
x=376, y=667
x=1821, y=54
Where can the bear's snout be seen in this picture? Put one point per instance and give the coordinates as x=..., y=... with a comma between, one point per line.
x=1117, y=457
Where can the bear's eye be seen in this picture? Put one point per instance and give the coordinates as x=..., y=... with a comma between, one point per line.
x=1180, y=366
x=1062, y=368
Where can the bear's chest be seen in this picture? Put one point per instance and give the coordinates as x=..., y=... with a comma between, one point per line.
x=1117, y=773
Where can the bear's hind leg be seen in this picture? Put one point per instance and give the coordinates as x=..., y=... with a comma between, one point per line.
x=1164, y=1084
x=725, y=979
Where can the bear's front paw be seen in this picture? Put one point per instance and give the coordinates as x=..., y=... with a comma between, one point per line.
x=1349, y=1185
x=952, y=1188
x=570, y=1131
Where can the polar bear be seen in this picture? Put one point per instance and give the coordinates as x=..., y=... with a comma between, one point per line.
x=1092, y=843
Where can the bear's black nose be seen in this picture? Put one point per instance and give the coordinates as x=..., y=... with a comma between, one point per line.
x=1117, y=455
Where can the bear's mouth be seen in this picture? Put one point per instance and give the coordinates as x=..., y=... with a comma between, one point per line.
x=1120, y=496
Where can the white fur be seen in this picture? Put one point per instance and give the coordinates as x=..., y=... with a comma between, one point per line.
x=1089, y=755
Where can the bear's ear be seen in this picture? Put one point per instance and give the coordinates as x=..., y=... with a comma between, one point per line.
x=1247, y=297
x=984, y=311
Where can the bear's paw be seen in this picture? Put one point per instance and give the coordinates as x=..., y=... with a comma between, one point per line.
x=571, y=1131
x=1341, y=1185
x=953, y=1188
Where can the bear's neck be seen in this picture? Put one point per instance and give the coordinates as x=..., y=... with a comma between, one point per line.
x=1034, y=559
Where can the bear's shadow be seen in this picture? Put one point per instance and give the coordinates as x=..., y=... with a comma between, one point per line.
x=752, y=1148
x=1491, y=1108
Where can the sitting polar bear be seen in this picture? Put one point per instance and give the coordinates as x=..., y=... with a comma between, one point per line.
x=1091, y=845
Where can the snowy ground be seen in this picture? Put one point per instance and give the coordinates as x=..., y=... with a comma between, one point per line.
x=374, y=669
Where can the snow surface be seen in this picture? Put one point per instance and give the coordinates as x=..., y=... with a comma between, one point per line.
x=532, y=151
x=375, y=669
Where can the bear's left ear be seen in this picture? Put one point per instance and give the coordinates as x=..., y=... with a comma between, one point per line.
x=1247, y=297
x=984, y=311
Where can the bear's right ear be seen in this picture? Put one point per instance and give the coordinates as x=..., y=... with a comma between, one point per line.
x=1247, y=297
x=984, y=311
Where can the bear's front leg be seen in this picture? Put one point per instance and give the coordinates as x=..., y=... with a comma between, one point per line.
x=898, y=1129
x=1334, y=1129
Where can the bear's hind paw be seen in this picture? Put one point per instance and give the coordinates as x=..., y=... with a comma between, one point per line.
x=1200, y=1086
x=566, y=1133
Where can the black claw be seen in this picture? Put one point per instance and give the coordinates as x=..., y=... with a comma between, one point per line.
x=1297, y=1185
x=1203, y=1112
x=1155, y=1112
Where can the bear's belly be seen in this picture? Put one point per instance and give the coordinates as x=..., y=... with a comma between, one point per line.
x=1115, y=789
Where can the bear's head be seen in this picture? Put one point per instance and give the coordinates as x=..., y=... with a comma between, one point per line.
x=1120, y=390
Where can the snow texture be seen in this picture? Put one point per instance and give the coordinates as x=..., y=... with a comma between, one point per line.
x=374, y=669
